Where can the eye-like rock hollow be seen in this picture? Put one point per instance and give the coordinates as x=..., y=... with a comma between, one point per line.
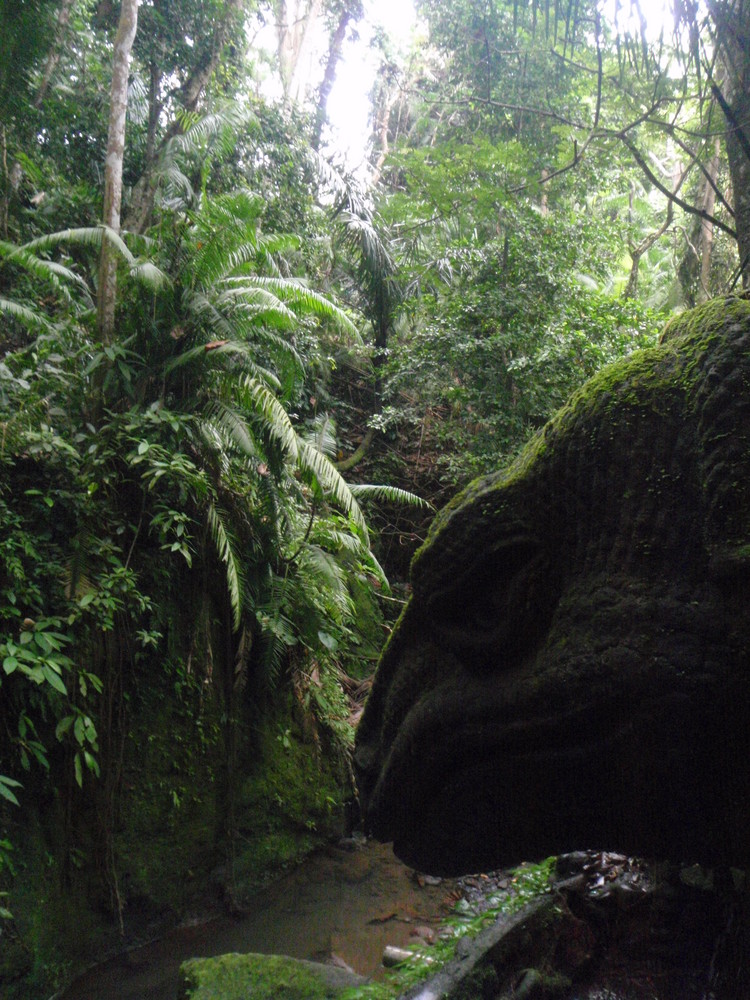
x=572, y=670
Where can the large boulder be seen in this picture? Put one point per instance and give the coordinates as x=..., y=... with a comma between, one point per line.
x=572, y=668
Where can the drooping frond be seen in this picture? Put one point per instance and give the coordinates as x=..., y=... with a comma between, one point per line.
x=298, y=295
x=391, y=494
x=148, y=274
x=23, y=313
x=333, y=538
x=332, y=483
x=48, y=270
x=323, y=437
x=204, y=309
x=260, y=399
x=259, y=304
x=328, y=578
x=233, y=427
x=202, y=354
x=92, y=236
x=226, y=547
x=83, y=236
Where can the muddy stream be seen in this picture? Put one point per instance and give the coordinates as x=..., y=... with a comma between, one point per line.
x=345, y=903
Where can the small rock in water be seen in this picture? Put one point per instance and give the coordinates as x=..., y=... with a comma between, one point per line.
x=424, y=933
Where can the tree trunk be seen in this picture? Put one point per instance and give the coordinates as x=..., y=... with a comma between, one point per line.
x=707, y=226
x=329, y=76
x=144, y=191
x=731, y=88
x=107, y=291
x=738, y=139
x=294, y=30
x=63, y=19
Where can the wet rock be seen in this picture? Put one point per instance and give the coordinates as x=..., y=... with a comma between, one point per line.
x=573, y=667
x=262, y=977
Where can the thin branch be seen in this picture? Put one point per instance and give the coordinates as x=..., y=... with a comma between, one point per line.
x=685, y=206
x=672, y=130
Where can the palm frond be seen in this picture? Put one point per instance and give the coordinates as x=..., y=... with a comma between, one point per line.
x=390, y=494
x=84, y=236
x=23, y=313
x=220, y=127
x=300, y=296
x=331, y=482
x=226, y=547
x=204, y=309
x=277, y=421
x=323, y=436
x=258, y=305
x=148, y=274
x=233, y=427
x=48, y=270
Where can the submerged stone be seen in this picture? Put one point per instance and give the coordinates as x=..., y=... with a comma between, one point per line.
x=572, y=669
x=262, y=977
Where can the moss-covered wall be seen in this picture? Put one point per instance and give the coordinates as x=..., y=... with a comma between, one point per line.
x=173, y=856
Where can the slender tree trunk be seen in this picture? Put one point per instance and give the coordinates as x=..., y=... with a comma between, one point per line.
x=707, y=227
x=329, y=76
x=107, y=291
x=731, y=89
x=738, y=139
x=63, y=20
x=144, y=191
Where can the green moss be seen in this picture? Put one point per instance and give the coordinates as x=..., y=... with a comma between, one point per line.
x=655, y=381
x=709, y=319
x=260, y=977
x=166, y=842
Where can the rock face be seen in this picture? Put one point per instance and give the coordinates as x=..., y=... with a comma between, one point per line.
x=572, y=670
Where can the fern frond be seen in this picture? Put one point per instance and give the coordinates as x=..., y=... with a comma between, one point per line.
x=325, y=580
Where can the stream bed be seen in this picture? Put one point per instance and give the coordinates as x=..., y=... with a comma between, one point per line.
x=340, y=902
x=622, y=935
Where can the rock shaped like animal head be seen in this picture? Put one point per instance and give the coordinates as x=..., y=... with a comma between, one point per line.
x=572, y=669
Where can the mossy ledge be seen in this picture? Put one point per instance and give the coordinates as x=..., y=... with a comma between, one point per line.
x=262, y=977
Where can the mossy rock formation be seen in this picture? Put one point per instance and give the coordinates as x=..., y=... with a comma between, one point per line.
x=262, y=977
x=572, y=669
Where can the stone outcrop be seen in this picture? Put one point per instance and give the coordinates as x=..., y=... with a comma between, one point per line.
x=572, y=668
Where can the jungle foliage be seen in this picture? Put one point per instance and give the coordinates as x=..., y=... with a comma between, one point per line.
x=544, y=187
